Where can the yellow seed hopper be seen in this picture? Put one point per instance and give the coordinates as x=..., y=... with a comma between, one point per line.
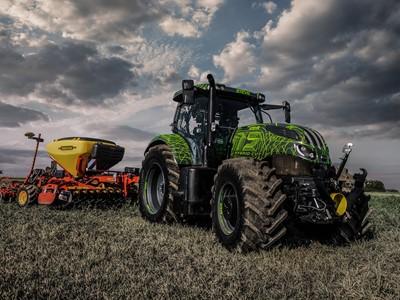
x=73, y=154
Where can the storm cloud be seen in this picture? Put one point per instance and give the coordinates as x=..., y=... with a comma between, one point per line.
x=72, y=72
x=13, y=116
x=125, y=132
x=94, y=19
x=12, y=156
x=121, y=20
x=338, y=62
x=341, y=62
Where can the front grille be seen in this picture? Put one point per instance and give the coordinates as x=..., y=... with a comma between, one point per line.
x=314, y=138
x=311, y=137
x=286, y=165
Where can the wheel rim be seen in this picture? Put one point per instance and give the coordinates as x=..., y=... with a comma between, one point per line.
x=228, y=208
x=22, y=198
x=154, y=189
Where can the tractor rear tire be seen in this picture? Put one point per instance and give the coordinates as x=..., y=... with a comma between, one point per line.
x=248, y=205
x=27, y=195
x=158, y=182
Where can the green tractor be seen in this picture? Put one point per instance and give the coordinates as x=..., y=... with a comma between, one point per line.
x=259, y=181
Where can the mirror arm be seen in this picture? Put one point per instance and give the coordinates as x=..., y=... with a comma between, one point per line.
x=285, y=106
x=271, y=106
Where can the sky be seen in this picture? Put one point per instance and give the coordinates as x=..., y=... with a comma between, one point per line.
x=108, y=69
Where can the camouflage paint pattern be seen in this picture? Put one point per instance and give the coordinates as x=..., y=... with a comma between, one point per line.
x=258, y=142
x=179, y=147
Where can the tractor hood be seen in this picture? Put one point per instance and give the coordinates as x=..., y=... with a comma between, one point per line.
x=261, y=141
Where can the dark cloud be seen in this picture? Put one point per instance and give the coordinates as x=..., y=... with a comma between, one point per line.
x=98, y=79
x=340, y=108
x=7, y=159
x=72, y=72
x=338, y=61
x=117, y=18
x=132, y=14
x=313, y=27
x=13, y=116
x=95, y=20
x=388, y=131
x=125, y=132
x=117, y=49
x=17, y=162
x=13, y=156
x=137, y=8
x=161, y=113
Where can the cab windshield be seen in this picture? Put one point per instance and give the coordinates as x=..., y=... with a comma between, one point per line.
x=237, y=113
x=191, y=119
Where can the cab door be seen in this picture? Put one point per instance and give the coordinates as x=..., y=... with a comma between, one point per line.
x=190, y=122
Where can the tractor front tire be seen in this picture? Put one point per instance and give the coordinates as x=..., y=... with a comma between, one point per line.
x=355, y=224
x=248, y=205
x=158, y=182
x=27, y=195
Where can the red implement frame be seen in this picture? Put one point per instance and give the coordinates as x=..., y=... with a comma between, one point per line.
x=119, y=184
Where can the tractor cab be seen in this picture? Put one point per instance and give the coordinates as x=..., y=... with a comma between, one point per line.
x=208, y=115
x=231, y=108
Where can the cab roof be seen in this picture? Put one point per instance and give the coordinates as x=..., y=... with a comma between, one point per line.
x=225, y=92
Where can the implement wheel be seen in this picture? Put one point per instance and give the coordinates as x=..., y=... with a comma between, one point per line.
x=4, y=186
x=247, y=205
x=158, y=181
x=27, y=195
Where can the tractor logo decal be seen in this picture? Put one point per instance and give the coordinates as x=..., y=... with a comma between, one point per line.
x=243, y=92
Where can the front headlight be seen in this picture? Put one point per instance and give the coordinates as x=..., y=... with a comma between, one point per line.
x=305, y=151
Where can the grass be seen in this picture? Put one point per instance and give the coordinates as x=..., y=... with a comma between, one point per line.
x=79, y=254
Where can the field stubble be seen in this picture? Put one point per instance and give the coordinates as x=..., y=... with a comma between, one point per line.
x=113, y=253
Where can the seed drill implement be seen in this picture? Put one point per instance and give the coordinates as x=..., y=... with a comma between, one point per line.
x=84, y=177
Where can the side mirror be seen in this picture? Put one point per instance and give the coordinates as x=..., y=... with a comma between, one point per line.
x=286, y=107
x=347, y=148
x=188, y=91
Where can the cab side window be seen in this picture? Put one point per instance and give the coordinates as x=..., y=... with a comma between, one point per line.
x=191, y=118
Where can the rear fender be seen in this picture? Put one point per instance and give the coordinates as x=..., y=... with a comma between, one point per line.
x=178, y=145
